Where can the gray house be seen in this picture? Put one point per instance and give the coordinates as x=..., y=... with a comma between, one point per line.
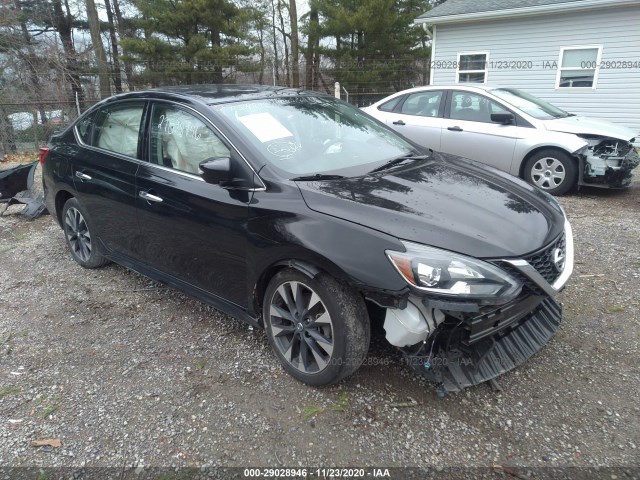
x=581, y=55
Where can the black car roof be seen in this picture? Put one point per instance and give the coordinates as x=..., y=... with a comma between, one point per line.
x=221, y=93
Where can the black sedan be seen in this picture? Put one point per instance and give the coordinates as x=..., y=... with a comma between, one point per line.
x=296, y=212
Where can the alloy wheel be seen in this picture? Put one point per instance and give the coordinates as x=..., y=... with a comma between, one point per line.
x=78, y=234
x=301, y=327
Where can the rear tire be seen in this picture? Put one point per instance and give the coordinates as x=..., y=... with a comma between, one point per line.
x=78, y=233
x=552, y=170
x=318, y=327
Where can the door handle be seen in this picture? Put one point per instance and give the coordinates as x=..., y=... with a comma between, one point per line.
x=455, y=129
x=399, y=122
x=149, y=197
x=83, y=176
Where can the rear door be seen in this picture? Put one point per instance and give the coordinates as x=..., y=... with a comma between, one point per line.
x=104, y=168
x=418, y=116
x=193, y=231
x=469, y=132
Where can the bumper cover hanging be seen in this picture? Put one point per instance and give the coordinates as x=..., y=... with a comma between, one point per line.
x=15, y=187
x=463, y=366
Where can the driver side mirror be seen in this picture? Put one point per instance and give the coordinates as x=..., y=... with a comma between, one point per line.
x=506, y=118
x=216, y=170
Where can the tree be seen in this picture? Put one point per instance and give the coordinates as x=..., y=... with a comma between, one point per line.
x=293, y=20
x=194, y=38
x=376, y=43
x=312, y=52
x=117, y=77
x=98, y=49
x=63, y=21
x=122, y=33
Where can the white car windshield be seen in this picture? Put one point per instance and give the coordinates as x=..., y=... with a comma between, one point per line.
x=529, y=104
x=308, y=135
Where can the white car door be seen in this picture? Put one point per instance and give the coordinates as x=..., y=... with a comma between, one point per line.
x=417, y=116
x=469, y=132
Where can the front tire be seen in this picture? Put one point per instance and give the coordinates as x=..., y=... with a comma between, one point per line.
x=551, y=170
x=78, y=233
x=318, y=327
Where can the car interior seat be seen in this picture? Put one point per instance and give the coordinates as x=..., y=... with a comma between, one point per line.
x=466, y=110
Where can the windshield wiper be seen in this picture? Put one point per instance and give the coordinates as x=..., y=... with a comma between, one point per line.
x=316, y=176
x=398, y=160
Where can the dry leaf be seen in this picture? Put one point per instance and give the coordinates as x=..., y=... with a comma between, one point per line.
x=50, y=442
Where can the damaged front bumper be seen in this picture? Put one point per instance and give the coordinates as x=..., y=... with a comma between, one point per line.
x=460, y=344
x=461, y=358
x=608, y=163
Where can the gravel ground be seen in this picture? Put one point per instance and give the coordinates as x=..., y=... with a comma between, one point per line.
x=128, y=373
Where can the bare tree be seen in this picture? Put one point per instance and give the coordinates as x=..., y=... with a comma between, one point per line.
x=117, y=77
x=311, y=56
x=293, y=19
x=284, y=34
x=98, y=48
x=122, y=33
x=276, y=66
x=63, y=22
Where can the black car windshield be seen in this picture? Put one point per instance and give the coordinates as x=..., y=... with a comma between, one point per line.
x=529, y=104
x=307, y=135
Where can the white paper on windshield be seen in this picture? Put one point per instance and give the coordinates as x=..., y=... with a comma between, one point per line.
x=265, y=127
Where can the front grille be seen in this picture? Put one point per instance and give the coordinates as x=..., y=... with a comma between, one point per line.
x=542, y=261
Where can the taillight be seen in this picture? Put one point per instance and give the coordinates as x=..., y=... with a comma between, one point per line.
x=42, y=156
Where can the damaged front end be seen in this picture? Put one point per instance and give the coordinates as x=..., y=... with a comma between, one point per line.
x=607, y=162
x=457, y=343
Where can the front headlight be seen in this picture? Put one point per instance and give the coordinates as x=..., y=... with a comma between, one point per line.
x=451, y=274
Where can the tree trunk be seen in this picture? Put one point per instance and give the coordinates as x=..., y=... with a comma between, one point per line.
x=123, y=34
x=312, y=47
x=262, y=55
x=293, y=19
x=98, y=48
x=216, y=40
x=276, y=73
x=284, y=40
x=117, y=77
x=62, y=24
x=6, y=133
x=31, y=61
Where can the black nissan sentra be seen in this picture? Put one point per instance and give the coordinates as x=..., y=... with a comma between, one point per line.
x=299, y=213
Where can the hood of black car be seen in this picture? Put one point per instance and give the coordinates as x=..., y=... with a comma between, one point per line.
x=445, y=202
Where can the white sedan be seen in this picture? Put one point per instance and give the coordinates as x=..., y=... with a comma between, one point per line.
x=515, y=132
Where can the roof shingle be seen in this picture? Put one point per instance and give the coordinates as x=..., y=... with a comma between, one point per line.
x=459, y=7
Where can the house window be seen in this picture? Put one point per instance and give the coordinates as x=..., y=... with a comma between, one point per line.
x=578, y=67
x=472, y=67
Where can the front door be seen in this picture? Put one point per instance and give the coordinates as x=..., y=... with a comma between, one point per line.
x=193, y=230
x=469, y=132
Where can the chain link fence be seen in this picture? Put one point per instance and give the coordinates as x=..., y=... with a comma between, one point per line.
x=27, y=125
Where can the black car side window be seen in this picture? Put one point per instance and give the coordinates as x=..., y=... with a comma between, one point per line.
x=182, y=141
x=117, y=128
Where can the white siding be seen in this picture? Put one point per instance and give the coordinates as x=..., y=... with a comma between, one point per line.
x=539, y=39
